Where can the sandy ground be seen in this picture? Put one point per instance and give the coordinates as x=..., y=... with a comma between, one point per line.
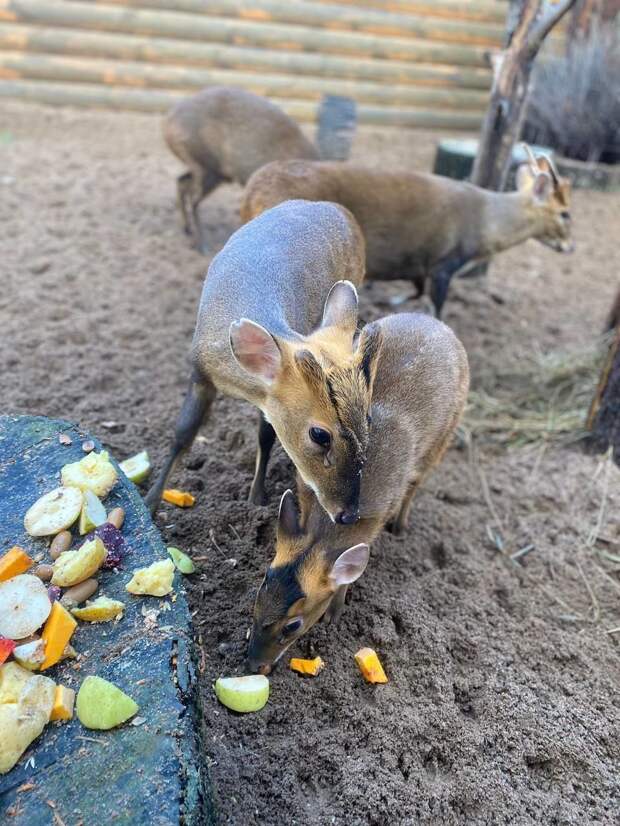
x=502, y=705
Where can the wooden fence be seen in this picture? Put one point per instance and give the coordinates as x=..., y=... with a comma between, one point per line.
x=405, y=62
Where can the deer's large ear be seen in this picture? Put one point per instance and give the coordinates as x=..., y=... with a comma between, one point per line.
x=350, y=565
x=542, y=188
x=368, y=349
x=255, y=349
x=341, y=306
x=525, y=177
x=288, y=517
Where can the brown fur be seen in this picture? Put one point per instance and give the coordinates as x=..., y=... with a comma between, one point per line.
x=292, y=272
x=226, y=134
x=419, y=394
x=421, y=226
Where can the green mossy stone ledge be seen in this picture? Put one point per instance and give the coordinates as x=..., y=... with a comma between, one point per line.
x=137, y=774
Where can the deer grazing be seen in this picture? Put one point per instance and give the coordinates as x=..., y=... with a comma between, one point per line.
x=423, y=227
x=276, y=327
x=226, y=134
x=420, y=390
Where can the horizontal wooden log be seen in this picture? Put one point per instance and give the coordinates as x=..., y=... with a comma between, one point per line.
x=126, y=73
x=237, y=32
x=110, y=97
x=77, y=42
x=335, y=17
x=487, y=11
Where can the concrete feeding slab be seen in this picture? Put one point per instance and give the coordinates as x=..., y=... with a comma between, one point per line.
x=148, y=773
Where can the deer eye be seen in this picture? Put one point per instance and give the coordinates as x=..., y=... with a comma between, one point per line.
x=292, y=626
x=320, y=436
x=565, y=215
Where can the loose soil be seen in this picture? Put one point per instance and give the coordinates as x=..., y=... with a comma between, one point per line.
x=502, y=705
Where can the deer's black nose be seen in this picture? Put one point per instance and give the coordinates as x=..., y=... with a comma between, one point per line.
x=348, y=516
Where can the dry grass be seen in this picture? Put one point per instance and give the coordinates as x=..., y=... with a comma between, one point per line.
x=545, y=401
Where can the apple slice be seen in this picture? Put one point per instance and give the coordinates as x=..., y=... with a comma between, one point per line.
x=154, y=581
x=93, y=513
x=53, y=512
x=101, y=705
x=30, y=655
x=243, y=693
x=137, y=467
x=182, y=561
x=24, y=606
x=73, y=567
x=94, y=472
x=101, y=609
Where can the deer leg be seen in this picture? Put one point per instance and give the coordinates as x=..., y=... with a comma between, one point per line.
x=398, y=525
x=266, y=438
x=196, y=406
x=184, y=185
x=440, y=282
x=202, y=184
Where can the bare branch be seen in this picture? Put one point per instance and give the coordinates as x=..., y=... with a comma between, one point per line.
x=551, y=13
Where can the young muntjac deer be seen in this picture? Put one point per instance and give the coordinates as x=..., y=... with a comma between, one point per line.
x=419, y=226
x=226, y=134
x=419, y=394
x=276, y=327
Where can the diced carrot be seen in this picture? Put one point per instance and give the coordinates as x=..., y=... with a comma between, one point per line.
x=310, y=668
x=14, y=562
x=6, y=648
x=57, y=632
x=64, y=699
x=179, y=497
x=369, y=665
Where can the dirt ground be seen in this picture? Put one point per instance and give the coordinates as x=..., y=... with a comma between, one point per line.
x=502, y=705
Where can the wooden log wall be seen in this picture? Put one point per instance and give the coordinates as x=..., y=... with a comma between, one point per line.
x=419, y=63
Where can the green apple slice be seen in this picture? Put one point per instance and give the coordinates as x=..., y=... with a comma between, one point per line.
x=53, y=512
x=94, y=472
x=92, y=514
x=182, y=561
x=137, y=467
x=243, y=693
x=101, y=705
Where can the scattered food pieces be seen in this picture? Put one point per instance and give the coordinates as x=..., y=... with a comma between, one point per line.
x=73, y=567
x=180, y=498
x=370, y=666
x=53, y=512
x=60, y=544
x=137, y=467
x=23, y=720
x=14, y=562
x=7, y=647
x=13, y=677
x=309, y=668
x=64, y=700
x=54, y=593
x=79, y=593
x=88, y=446
x=30, y=655
x=114, y=542
x=24, y=606
x=58, y=631
x=43, y=572
x=243, y=694
x=101, y=705
x=92, y=514
x=182, y=561
x=116, y=517
x=155, y=581
x=94, y=472
x=102, y=609
x=64, y=439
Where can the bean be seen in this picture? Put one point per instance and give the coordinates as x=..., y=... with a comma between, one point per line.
x=44, y=572
x=116, y=517
x=78, y=593
x=60, y=544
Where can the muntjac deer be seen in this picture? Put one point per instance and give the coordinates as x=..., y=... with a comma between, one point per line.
x=226, y=134
x=276, y=327
x=425, y=227
x=419, y=394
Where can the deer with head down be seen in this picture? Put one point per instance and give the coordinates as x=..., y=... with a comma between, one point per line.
x=276, y=327
x=420, y=389
x=425, y=227
x=225, y=134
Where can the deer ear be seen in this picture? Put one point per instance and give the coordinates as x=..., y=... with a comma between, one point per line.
x=350, y=565
x=368, y=349
x=255, y=349
x=542, y=188
x=341, y=306
x=288, y=517
x=524, y=177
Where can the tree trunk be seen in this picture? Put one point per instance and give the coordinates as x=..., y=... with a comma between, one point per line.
x=512, y=71
x=604, y=416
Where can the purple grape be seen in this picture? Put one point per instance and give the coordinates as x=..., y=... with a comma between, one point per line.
x=54, y=593
x=114, y=543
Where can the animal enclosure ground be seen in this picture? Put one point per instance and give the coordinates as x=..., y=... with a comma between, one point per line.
x=502, y=705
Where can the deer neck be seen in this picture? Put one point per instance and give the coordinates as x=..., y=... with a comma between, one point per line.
x=508, y=220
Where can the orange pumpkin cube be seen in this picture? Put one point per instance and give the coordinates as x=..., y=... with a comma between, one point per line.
x=14, y=562
x=370, y=666
x=180, y=498
x=309, y=668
